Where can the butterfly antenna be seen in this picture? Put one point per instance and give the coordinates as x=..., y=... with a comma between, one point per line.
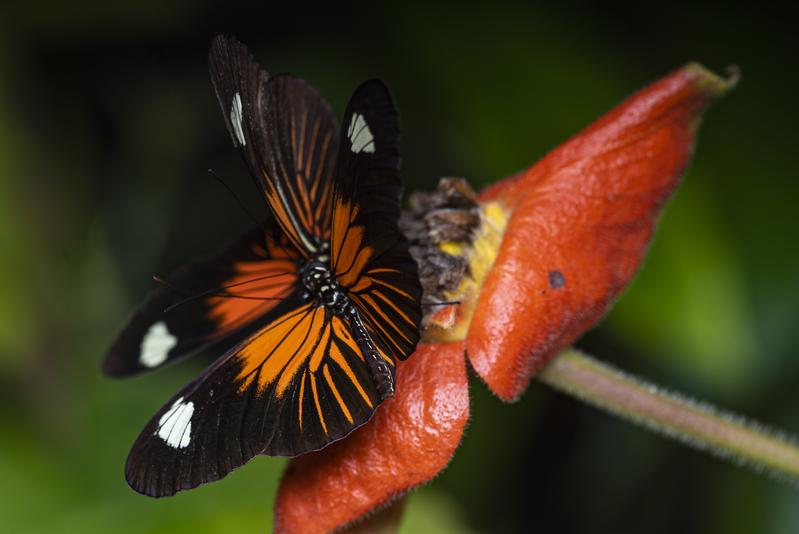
x=244, y=208
x=235, y=196
x=220, y=295
x=169, y=285
x=220, y=291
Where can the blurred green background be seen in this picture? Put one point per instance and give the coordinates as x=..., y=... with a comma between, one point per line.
x=108, y=123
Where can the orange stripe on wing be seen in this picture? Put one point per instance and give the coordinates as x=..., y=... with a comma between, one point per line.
x=314, y=136
x=322, y=198
x=320, y=350
x=364, y=283
x=336, y=394
x=322, y=159
x=340, y=228
x=341, y=361
x=373, y=307
x=384, y=270
x=300, y=144
x=303, y=351
x=316, y=401
x=391, y=287
x=260, y=356
x=307, y=212
x=343, y=333
x=388, y=301
x=348, y=277
x=347, y=237
x=293, y=133
x=302, y=396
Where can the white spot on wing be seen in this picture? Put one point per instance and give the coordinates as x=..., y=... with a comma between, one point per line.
x=235, y=119
x=156, y=345
x=360, y=135
x=174, y=427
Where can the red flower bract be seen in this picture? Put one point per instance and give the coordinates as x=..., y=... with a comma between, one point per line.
x=410, y=439
x=581, y=220
x=576, y=227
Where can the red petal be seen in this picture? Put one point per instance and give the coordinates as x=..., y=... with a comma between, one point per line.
x=410, y=439
x=580, y=222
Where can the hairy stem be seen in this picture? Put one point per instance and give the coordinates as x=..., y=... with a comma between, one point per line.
x=694, y=423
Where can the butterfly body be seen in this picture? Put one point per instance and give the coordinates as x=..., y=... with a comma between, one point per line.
x=311, y=312
x=323, y=289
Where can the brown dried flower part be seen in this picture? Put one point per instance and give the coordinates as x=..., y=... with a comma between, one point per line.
x=434, y=221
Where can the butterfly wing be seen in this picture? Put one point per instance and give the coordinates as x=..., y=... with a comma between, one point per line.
x=294, y=386
x=286, y=133
x=368, y=252
x=216, y=300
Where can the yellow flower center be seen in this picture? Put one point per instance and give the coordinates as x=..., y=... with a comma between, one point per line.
x=451, y=323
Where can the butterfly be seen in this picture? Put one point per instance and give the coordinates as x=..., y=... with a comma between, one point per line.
x=313, y=309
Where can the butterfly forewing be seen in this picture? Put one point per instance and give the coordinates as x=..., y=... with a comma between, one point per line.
x=303, y=146
x=239, y=85
x=287, y=134
x=368, y=252
x=214, y=300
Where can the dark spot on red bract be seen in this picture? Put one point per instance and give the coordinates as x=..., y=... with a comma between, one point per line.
x=556, y=279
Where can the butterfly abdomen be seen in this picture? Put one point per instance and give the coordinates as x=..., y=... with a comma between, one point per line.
x=380, y=369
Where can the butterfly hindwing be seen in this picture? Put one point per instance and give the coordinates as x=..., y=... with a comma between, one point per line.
x=294, y=386
x=215, y=300
x=287, y=134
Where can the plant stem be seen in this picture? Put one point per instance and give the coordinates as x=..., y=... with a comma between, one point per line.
x=694, y=423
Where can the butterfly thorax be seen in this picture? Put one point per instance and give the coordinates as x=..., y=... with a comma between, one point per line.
x=321, y=286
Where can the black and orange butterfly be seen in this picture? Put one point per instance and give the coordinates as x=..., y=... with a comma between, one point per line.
x=314, y=307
